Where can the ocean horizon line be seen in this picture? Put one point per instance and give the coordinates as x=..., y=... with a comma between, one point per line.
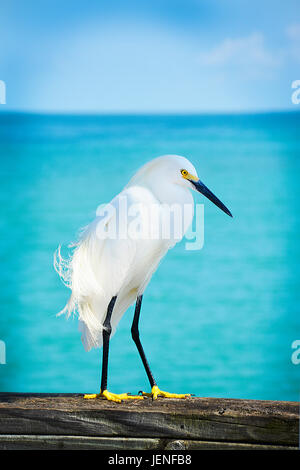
x=149, y=113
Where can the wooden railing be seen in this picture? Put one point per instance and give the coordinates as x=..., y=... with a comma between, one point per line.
x=67, y=421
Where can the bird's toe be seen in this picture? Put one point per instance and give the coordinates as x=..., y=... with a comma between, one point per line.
x=89, y=396
x=156, y=392
x=174, y=395
x=115, y=397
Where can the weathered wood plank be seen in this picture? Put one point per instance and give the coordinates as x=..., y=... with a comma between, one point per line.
x=195, y=419
x=31, y=442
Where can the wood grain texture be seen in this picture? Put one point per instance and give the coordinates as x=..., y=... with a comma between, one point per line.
x=67, y=420
x=31, y=442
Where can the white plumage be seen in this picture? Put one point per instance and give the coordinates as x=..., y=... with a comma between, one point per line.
x=103, y=267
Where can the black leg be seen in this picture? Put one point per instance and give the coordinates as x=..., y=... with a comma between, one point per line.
x=136, y=338
x=106, y=335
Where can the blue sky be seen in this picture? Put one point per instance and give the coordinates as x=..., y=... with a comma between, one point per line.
x=149, y=56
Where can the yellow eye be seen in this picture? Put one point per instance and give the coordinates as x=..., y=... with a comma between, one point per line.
x=184, y=173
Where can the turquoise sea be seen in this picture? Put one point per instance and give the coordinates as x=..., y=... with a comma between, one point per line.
x=217, y=322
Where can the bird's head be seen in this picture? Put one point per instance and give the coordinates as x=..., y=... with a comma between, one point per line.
x=178, y=171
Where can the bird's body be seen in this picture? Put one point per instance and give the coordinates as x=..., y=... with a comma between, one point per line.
x=119, y=251
x=102, y=267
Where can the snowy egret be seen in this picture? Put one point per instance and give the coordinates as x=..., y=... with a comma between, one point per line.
x=109, y=270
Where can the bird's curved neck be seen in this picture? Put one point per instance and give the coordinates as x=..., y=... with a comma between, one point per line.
x=170, y=193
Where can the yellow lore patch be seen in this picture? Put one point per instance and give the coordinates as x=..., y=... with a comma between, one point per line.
x=186, y=175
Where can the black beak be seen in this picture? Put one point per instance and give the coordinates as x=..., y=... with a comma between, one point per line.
x=201, y=188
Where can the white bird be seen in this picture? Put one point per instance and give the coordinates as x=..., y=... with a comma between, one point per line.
x=110, y=267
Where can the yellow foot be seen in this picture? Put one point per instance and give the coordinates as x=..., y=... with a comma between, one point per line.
x=156, y=392
x=113, y=396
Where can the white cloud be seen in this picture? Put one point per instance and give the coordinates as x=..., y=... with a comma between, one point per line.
x=293, y=33
x=246, y=51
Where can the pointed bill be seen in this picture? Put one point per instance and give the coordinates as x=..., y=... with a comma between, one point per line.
x=201, y=188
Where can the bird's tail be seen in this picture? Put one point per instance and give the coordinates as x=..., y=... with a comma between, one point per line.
x=78, y=273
